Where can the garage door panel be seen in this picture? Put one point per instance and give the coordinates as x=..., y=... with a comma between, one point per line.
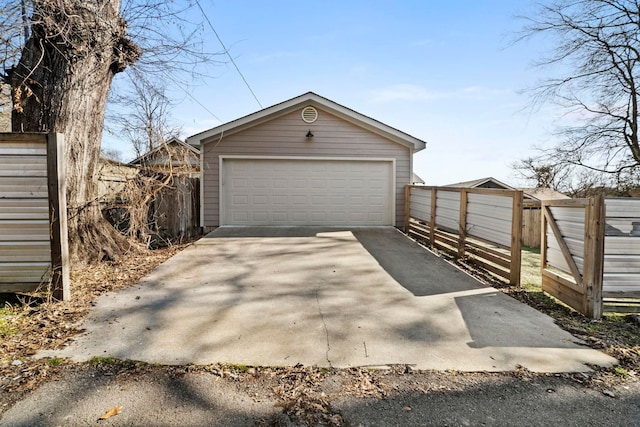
x=240, y=217
x=280, y=216
x=239, y=183
x=300, y=183
x=280, y=183
x=280, y=200
x=319, y=200
x=240, y=199
x=306, y=192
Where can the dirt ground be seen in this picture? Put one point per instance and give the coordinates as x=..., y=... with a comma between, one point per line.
x=307, y=395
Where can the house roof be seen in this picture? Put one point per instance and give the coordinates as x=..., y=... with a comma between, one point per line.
x=478, y=182
x=415, y=179
x=532, y=194
x=543, y=193
x=172, y=141
x=292, y=104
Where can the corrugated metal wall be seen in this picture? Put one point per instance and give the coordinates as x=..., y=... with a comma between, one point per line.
x=489, y=217
x=448, y=209
x=622, y=246
x=570, y=221
x=420, y=205
x=25, y=252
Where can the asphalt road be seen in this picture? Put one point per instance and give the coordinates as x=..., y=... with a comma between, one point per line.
x=163, y=397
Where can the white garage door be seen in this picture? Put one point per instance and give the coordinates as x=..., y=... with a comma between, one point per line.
x=306, y=192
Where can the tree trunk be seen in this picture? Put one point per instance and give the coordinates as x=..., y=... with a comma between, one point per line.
x=61, y=85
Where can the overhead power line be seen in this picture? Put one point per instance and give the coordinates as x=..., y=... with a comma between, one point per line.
x=228, y=54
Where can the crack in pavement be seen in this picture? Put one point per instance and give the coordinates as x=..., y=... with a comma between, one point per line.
x=326, y=331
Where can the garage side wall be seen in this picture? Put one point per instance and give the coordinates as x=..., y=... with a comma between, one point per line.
x=286, y=136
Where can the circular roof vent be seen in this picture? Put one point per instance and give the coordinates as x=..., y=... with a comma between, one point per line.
x=309, y=114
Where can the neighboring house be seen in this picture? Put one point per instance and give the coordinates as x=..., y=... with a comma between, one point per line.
x=482, y=183
x=532, y=203
x=531, y=196
x=534, y=196
x=174, y=155
x=415, y=179
x=305, y=161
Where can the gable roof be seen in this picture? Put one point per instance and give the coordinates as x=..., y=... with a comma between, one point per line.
x=173, y=141
x=306, y=99
x=415, y=179
x=543, y=193
x=532, y=194
x=482, y=181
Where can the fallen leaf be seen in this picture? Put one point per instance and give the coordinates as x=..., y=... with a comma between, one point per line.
x=406, y=408
x=111, y=412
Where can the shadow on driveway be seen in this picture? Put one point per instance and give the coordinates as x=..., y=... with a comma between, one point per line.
x=324, y=297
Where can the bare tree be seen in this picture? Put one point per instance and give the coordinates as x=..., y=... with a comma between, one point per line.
x=61, y=79
x=556, y=176
x=146, y=122
x=598, y=43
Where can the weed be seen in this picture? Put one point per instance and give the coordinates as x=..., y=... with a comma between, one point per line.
x=238, y=367
x=621, y=372
x=103, y=361
x=8, y=321
x=55, y=361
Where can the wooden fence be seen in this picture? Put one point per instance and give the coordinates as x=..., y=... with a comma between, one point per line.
x=531, y=223
x=33, y=214
x=175, y=210
x=481, y=225
x=591, y=254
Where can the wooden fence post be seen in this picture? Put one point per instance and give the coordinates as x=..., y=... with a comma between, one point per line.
x=462, y=222
x=432, y=227
x=407, y=207
x=594, y=229
x=58, y=218
x=516, y=239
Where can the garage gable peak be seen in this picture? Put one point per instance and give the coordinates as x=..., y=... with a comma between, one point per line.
x=307, y=104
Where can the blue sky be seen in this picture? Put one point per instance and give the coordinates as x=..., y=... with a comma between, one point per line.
x=442, y=71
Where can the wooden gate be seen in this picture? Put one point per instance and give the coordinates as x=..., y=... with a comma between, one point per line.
x=572, y=251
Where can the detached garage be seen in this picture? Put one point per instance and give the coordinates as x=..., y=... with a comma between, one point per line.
x=306, y=161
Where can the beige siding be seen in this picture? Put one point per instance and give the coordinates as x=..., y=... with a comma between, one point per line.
x=25, y=253
x=285, y=136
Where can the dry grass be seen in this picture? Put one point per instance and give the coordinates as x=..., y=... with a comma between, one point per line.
x=29, y=323
x=530, y=277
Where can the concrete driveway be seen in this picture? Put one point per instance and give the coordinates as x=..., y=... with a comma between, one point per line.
x=325, y=297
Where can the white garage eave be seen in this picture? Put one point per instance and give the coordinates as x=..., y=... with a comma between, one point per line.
x=309, y=98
